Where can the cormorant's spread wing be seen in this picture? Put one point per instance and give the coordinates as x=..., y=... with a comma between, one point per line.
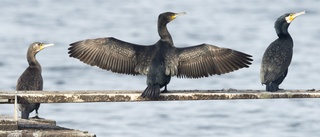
x=110, y=54
x=204, y=60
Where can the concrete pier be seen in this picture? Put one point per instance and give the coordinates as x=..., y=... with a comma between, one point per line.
x=36, y=128
x=7, y=97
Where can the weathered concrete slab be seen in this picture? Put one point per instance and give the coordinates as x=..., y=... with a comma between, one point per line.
x=126, y=96
x=45, y=133
x=36, y=128
x=7, y=123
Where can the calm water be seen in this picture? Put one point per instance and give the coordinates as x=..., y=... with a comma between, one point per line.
x=246, y=26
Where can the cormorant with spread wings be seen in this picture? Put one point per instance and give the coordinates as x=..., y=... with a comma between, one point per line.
x=159, y=61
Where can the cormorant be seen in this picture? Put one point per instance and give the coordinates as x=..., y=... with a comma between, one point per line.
x=159, y=61
x=277, y=57
x=31, y=78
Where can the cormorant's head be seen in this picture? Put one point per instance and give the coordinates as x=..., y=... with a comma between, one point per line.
x=38, y=46
x=166, y=17
x=283, y=22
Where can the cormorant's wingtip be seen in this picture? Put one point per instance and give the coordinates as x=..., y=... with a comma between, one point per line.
x=76, y=43
x=72, y=44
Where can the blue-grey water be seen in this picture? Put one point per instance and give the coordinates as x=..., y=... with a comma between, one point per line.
x=242, y=25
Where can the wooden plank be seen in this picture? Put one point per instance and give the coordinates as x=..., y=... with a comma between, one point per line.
x=7, y=97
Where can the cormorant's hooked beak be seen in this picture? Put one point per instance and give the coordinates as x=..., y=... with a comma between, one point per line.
x=291, y=17
x=42, y=46
x=177, y=14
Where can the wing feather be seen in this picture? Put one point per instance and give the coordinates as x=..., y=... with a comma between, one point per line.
x=110, y=54
x=205, y=60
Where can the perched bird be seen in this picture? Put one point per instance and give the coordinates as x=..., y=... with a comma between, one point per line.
x=159, y=61
x=277, y=57
x=31, y=78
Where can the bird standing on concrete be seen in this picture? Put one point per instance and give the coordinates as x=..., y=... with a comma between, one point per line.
x=159, y=61
x=31, y=79
x=277, y=57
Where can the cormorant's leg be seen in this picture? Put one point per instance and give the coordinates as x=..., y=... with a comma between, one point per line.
x=165, y=89
x=272, y=87
x=36, y=117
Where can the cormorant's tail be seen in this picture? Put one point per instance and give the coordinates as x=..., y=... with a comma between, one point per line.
x=25, y=114
x=152, y=91
x=272, y=87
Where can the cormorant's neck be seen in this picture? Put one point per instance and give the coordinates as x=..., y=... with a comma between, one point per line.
x=164, y=33
x=282, y=30
x=31, y=57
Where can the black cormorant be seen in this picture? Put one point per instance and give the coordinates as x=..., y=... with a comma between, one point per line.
x=159, y=61
x=31, y=78
x=278, y=55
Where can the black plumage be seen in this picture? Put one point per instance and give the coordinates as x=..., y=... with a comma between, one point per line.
x=31, y=78
x=278, y=55
x=159, y=61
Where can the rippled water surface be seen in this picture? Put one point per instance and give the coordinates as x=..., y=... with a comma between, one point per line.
x=246, y=26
